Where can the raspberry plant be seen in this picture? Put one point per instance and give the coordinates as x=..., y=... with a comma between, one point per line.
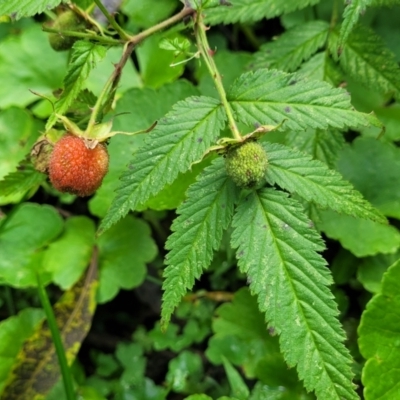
x=250, y=150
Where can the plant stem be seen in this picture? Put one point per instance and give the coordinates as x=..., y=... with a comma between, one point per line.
x=110, y=86
x=81, y=35
x=111, y=20
x=55, y=334
x=185, y=12
x=206, y=52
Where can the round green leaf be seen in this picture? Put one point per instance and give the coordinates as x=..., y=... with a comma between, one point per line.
x=124, y=251
x=67, y=257
x=23, y=235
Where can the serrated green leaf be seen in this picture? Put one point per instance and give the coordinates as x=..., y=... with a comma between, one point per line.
x=314, y=181
x=179, y=139
x=149, y=105
x=123, y=253
x=13, y=332
x=289, y=50
x=26, y=8
x=367, y=60
x=387, y=3
x=373, y=167
x=21, y=242
x=277, y=249
x=253, y=10
x=269, y=97
x=22, y=180
x=85, y=56
x=323, y=145
x=361, y=237
x=204, y=216
x=350, y=17
x=379, y=332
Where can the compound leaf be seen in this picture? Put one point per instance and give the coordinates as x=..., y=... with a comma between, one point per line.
x=26, y=8
x=350, y=17
x=180, y=138
x=84, y=58
x=198, y=230
x=367, y=60
x=314, y=181
x=278, y=250
x=253, y=10
x=292, y=47
x=379, y=339
x=268, y=97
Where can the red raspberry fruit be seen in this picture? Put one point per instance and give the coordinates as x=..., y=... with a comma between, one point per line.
x=75, y=168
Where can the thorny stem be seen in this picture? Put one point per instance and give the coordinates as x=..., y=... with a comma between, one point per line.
x=206, y=52
x=111, y=20
x=112, y=82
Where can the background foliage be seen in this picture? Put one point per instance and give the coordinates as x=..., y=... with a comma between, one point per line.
x=170, y=282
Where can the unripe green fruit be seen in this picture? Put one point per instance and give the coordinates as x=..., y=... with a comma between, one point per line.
x=67, y=21
x=246, y=164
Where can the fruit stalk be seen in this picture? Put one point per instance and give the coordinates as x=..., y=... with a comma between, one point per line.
x=206, y=52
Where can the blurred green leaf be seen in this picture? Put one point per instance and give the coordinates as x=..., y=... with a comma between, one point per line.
x=230, y=65
x=185, y=372
x=145, y=13
x=361, y=237
x=124, y=251
x=191, y=333
x=104, y=68
x=238, y=387
x=30, y=48
x=373, y=167
x=371, y=269
x=18, y=132
x=13, y=332
x=68, y=256
x=240, y=334
x=155, y=63
x=23, y=242
x=379, y=339
x=36, y=369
